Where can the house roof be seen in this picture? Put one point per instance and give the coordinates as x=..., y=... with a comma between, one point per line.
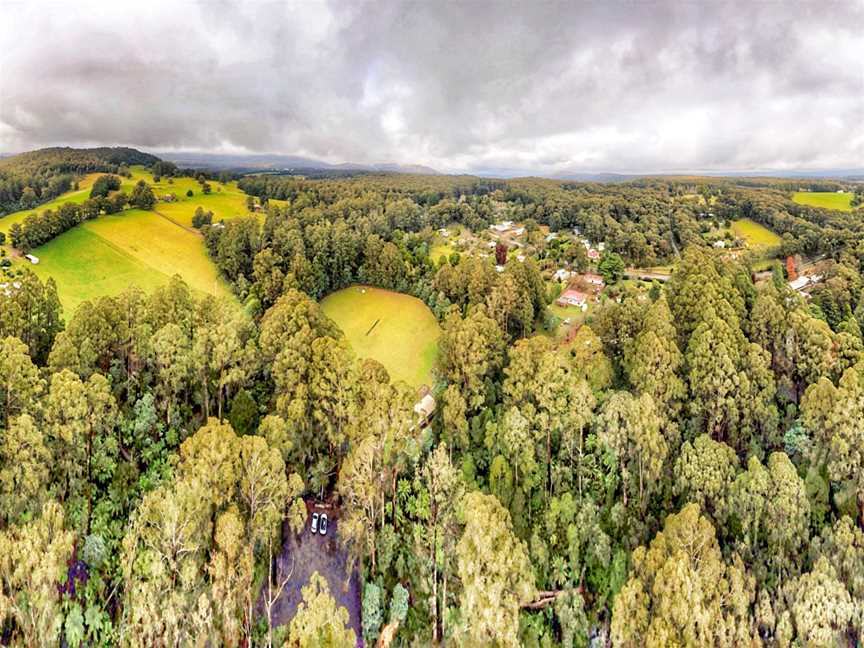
x=574, y=295
x=426, y=406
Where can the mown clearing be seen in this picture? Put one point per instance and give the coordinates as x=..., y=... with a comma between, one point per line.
x=756, y=235
x=397, y=330
x=825, y=199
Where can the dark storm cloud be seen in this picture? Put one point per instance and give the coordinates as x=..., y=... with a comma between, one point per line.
x=458, y=85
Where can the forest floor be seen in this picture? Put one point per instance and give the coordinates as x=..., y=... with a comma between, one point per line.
x=304, y=554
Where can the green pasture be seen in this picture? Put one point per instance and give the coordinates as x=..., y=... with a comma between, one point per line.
x=104, y=256
x=825, y=199
x=397, y=330
x=756, y=235
x=134, y=247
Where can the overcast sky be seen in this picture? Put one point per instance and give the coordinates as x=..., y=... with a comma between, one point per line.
x=472, y=85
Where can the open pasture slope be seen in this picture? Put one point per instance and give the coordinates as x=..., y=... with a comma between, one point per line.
x=397, y=330
x=756, y=235
x=133, y=247
x=825, y=199
x=104, y=256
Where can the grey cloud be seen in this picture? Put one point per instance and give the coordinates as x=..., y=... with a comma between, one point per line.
x=621, y=86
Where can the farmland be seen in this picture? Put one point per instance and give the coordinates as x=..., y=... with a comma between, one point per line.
x=756, y=235
x=824, y=199
x=397, y=330
x=133, y=247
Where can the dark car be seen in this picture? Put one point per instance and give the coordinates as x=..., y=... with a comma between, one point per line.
x=323, y=524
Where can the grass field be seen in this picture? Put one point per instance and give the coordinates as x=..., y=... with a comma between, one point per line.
x=756, y=235
x=134, y=247
x=104, y=256
x=397, y=330
x=826, y=199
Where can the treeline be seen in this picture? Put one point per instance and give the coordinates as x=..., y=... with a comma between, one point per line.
x=38, y=229
x=319, y=251
x=683, y=472
x=35, y=177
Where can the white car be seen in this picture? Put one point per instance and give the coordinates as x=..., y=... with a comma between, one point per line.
x=315, y=522
x=323, y=525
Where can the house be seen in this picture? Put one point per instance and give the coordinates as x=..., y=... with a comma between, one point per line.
x=424, y=409
x=551, y=236
x=803, y=281
x=31, y=258
x=572, y=298
x=719, y=244
x=593, y=279
x=800, y=283
x=562, y=275
x=503, y=226
x=593, y=254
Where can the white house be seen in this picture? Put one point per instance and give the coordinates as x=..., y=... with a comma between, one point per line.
x=31, y=258
x=562, y=275
x=719, y=244
x=503, y=226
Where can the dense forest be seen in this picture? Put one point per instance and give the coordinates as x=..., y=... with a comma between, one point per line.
x=687, y=471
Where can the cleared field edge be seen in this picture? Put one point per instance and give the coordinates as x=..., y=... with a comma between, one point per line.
x=824, y=199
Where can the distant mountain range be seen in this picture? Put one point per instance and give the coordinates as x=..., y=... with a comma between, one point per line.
x=267, y=162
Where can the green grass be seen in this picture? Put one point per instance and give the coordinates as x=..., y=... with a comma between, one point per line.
x=440, y=250
x=106, y=255
x=825, y=199
x=405, y=338
x=85, y=266
x=134, y=247
x=756, y=235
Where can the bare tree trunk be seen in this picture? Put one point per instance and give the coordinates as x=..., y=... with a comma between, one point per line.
x=434, y=588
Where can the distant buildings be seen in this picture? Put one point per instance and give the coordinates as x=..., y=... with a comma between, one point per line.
x=593, y=279
x=562, y=275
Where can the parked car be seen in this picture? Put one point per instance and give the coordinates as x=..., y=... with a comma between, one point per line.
x=315, y=522
x=323, y=525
